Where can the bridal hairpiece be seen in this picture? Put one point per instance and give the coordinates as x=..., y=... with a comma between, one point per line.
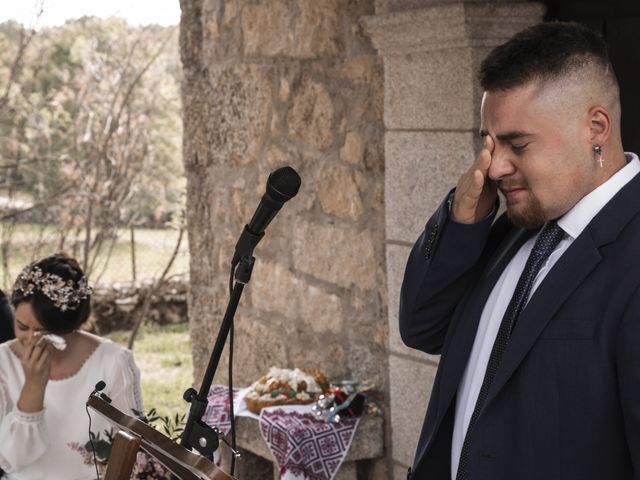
x=65, y=294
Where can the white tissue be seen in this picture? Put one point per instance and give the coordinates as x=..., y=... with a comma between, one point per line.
x=55, y=340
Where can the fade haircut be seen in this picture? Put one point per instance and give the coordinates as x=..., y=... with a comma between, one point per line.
x=546, y=52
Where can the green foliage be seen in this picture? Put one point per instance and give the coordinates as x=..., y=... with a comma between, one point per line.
x=171, y=426
x=101, y=445
x=90, y=126
x=164, y=379
x=145, y=467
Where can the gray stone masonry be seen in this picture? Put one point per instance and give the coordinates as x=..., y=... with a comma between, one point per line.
x=378, y=138
x=269, y=83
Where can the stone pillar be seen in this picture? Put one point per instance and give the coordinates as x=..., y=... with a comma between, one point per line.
x=431, y=57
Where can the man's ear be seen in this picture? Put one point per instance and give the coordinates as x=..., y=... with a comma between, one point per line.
x=600, y=124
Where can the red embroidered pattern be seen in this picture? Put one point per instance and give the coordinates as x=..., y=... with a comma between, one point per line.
x=305, y=446
x=217, y=412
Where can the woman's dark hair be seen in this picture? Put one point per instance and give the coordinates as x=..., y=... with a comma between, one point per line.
x=52, y=317
x=545, y=51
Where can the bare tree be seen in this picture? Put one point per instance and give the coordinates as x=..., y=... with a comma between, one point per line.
x=141, y=314
x=84, y=134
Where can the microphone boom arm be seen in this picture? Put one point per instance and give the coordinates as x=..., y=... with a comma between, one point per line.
x=196, y=433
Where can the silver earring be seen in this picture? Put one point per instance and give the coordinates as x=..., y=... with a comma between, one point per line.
x=598, y=151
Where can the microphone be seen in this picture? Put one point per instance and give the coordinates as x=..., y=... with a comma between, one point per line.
x=98, y=391
x=282, y=185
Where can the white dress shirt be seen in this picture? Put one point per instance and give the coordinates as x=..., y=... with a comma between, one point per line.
x=573, y=223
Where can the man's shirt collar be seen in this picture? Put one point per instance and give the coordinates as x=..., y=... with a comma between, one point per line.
x=576, y=220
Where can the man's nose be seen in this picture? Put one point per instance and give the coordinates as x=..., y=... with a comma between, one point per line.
x=501, y=164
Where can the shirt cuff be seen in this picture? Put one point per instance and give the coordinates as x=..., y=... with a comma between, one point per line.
x=28, y=417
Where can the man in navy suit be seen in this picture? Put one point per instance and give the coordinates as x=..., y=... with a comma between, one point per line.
x=6, y=319
x=536, y=315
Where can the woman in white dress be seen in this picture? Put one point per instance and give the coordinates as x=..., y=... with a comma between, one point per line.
x=49, y=370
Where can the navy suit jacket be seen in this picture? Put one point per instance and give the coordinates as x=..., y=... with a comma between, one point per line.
x=6, y=319
x=565, y=402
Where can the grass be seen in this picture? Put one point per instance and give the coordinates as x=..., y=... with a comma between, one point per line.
x=153, y=250
x=163, y=354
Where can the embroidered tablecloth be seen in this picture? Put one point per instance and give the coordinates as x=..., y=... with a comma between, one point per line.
x=305, y=448
x=217, y=412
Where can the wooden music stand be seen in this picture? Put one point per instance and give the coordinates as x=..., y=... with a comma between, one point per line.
x=123, y=456
x=183, y=463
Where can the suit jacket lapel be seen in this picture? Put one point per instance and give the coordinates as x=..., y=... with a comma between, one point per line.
x=466, y=324
x=576, y=263
x=565, y=276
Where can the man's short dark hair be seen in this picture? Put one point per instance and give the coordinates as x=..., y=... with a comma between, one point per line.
x=545, y=51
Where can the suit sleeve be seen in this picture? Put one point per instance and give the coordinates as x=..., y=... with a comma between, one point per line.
x=6, y=319
x=439, y=270
x=628, y=367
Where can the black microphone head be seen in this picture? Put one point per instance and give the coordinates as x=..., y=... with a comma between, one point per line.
x=283, y=184
x=100, y=385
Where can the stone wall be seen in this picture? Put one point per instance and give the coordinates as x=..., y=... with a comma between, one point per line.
x=269, y=83
x=115, y=307
x=275, y=82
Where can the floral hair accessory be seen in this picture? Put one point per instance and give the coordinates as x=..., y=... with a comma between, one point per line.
x=65, y=294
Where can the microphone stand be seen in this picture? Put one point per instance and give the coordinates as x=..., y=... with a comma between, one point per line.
x=198, y=434
x=282, y=185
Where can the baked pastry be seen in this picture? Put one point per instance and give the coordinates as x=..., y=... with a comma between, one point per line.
x=282, y=386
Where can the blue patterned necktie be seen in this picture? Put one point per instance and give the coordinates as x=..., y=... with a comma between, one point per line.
x=546, y=243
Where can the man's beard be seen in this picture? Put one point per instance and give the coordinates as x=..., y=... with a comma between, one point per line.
x=530, y=217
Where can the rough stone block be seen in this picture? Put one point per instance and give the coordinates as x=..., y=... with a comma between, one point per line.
x=285, y=89
x=365, y=358
x=347, y=471
x=358, y=69
x=231, y=113
x=336, y=254
x=258, y=346
x=308, y=350
x=353, y=149
x=402, y=5
x=338, y=194
x=430, y=90
x=311, y=116
x=265, y=28
x=231, y=8
x=400, y=472
x=302, y=28
x=318, y=28
x=274, y=288
x=450, y=25
x=421, y=167
x=410, y=383
x=373, y=469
